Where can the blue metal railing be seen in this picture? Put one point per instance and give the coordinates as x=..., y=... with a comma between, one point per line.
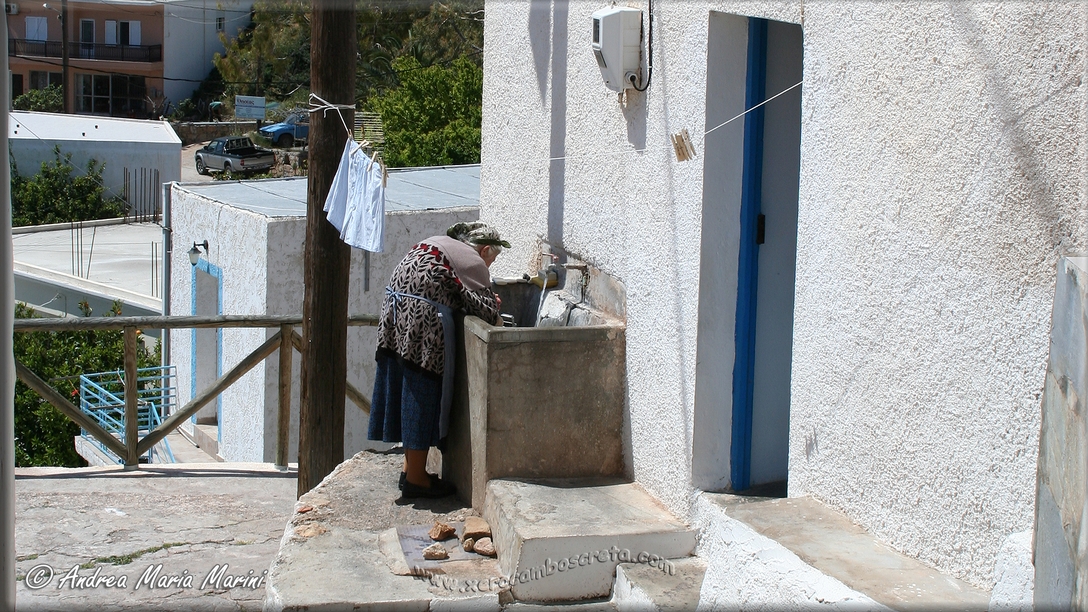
x=102, y=397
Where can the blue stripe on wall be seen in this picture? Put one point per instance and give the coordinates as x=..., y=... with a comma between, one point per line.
x=751, y=195
x=217, y=273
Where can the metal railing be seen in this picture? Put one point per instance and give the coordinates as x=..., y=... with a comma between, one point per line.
x=82, y=50
x=131, y=446
x=101, y=397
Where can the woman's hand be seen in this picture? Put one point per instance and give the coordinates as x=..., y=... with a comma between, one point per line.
x=498, y=301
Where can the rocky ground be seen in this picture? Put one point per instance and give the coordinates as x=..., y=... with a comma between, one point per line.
x=178, y=537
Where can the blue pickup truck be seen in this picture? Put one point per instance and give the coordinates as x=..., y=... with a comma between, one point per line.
x=295, y=128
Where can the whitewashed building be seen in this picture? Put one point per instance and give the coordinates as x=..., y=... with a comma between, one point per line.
x=136, y=156
x=253, y=265
x=883, y=349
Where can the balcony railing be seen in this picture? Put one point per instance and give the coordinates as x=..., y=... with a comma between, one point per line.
x=80, y=50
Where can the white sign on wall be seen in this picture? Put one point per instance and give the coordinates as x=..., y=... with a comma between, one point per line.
x=249, y=107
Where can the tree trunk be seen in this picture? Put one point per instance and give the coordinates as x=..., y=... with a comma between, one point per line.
x=327, y=259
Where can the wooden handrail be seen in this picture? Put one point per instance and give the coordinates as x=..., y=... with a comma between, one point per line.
x=349, y=390
x=198, y=402
x=171, y=322
x=50, y=395
x=132, y=446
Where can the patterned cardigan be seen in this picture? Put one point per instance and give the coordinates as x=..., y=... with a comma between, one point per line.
x=416, y=336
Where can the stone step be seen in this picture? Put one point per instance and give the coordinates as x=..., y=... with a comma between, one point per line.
x=674, y=588
x=561, y=540
x=590, y=606
x=832, y=544
x=204, y=437
x=185, y=451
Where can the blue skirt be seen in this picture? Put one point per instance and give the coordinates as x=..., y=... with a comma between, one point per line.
x=406, y=403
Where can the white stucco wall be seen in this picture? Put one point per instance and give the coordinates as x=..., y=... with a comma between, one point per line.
x=942, y=173
x=236, y=245
x=190, y=40
x=116, y=157
x=261, y=259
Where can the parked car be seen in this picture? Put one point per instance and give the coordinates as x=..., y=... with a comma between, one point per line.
x=295, y=128
x=233, y=154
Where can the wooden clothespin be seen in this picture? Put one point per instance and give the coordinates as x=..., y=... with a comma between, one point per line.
x=681, y=144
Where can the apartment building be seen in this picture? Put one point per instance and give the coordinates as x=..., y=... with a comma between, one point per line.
x=126, y=58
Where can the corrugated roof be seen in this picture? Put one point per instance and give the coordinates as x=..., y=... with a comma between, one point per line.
x=407, y=189
x=25, y=125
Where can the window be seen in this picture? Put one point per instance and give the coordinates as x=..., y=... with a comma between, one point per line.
x=39, y=79
x=16, y=86
x=37, y=28
x=122, y=33
x=86, y=37
x=119, y=95
x=130, y=33
x=220, y=23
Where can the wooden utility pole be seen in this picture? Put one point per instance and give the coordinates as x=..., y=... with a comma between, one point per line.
x=7, y=357
x=65, y=86
x=327, y=259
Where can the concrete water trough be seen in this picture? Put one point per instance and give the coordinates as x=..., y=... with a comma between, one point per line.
x=545, y=398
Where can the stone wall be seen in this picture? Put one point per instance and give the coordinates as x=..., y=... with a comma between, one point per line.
x=1061, y=507
x=202, y=131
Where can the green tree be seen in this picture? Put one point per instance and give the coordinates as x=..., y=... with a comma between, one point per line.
x=447, y=31
x=49, y=100
x=275, y=45
x=271, y=55
x=43, y=435
x=433, y=118
x=54, y=195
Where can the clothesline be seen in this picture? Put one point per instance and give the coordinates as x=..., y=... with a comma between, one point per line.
x=656, y=148
x=325, y=107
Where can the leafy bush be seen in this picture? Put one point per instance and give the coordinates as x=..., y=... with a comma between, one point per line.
x=54, y=195
x=185, y=110
x=44, y=435
x=50, y=100
x=433, y=118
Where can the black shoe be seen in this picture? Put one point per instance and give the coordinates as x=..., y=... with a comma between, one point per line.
x=438, y=488
x=403, y=479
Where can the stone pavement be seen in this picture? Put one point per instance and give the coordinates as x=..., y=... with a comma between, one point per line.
x=179, y=537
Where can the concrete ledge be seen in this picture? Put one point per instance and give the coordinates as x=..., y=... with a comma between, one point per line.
x=841, y=558
x=50, y=227
x=204, y=438
x=641, y=588
x=92, y=454
x=146, y=303
x=563, y=539
x=511, y=335
x=747, y=570
x=332, y=557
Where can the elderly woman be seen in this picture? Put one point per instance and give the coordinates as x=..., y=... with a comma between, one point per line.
x=413, y=383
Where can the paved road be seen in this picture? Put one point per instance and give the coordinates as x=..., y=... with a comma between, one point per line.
x=188, y=164
x=179, y=537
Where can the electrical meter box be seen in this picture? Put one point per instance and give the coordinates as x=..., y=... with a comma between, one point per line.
x=617, y=43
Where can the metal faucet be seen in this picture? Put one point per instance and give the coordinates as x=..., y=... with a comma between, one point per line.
x=548, y=276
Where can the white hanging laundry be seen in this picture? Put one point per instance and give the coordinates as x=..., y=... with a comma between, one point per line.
x=364, y=224
x=336, y=203
x=354, y=206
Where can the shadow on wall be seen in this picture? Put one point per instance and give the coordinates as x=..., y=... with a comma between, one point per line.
x=557, y=168
x=634, y=111
x=1034, y=185
x=540, y=40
